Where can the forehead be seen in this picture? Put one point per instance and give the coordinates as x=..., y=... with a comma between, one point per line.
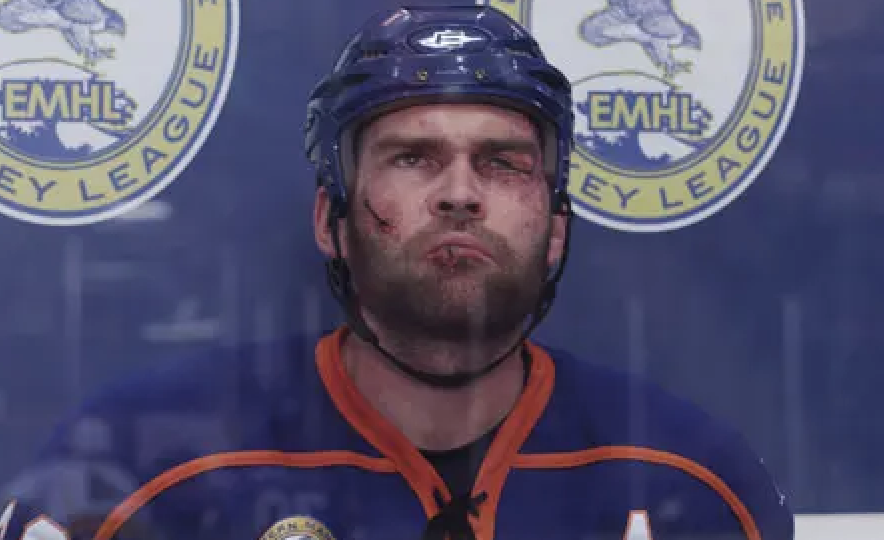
x=456, y=122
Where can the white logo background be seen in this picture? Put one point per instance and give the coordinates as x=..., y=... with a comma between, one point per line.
x=141, y=65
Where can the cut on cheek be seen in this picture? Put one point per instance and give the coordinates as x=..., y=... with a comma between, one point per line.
x=383, y=217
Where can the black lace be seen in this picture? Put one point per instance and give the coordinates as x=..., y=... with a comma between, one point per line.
x=453, y=520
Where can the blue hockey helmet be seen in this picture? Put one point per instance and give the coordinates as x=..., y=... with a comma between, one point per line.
x=420, y=55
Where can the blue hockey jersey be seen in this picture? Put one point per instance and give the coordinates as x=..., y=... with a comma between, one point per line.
x=277, y=443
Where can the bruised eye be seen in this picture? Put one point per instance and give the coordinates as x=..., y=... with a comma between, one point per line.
x=510, y=165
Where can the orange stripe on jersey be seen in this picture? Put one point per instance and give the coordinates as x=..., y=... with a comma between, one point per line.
x=401, y=456
x=513, y=433
x=380, y=433
x=416, y=470
x=257, y=458
x=609, y=453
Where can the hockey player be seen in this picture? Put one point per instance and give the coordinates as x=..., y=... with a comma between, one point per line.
x=441, y=141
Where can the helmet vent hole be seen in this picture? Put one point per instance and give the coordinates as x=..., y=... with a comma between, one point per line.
x=519, y=52
x=372, y=54
x=554, y=81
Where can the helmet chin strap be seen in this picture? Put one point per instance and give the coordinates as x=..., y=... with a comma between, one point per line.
x=341, y=285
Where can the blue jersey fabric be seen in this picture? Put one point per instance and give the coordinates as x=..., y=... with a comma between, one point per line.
x=230, y=445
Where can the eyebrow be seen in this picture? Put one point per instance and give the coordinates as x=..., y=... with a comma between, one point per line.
x=520, y=145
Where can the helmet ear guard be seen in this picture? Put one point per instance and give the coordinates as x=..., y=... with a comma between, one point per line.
x=337, y=203
x=328, y=173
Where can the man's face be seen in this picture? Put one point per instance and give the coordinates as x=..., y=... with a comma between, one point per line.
x=449, y=234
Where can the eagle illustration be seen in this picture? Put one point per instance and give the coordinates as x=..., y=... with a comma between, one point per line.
x=652, y=24
x=77, y=20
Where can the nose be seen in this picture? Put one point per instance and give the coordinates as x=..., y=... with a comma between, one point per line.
x=459, y=195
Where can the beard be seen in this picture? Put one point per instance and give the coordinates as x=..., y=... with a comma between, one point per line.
x=460, y=299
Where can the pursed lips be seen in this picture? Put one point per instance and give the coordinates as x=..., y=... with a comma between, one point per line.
x=459, y=245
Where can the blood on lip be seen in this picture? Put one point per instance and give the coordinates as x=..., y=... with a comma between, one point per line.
x=448, y=254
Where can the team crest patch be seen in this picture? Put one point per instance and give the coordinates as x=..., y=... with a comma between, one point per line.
x=297, y=528
x=103, y=103
x=679, y=104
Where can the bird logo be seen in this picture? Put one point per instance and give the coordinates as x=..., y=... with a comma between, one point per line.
x=651, y=24
x=678, y=104
x=104, y=103
x=78, y=21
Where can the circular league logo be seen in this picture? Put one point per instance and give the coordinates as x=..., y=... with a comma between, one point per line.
x=103, y=103
x=297, y=528
x=679, y=104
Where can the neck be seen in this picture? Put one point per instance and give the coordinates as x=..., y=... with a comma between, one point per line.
x=436, y=418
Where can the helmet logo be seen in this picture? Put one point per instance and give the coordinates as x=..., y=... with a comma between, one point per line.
x=448, y=39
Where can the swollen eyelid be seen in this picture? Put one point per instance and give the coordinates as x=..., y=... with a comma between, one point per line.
x=523, y=166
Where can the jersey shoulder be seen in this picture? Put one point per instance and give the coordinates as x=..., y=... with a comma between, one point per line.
x=618, y=408
x=252, y=397
x=221, y=399
x=595, y=406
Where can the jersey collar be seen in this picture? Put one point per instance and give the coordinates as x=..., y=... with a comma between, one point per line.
x=416, y=470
